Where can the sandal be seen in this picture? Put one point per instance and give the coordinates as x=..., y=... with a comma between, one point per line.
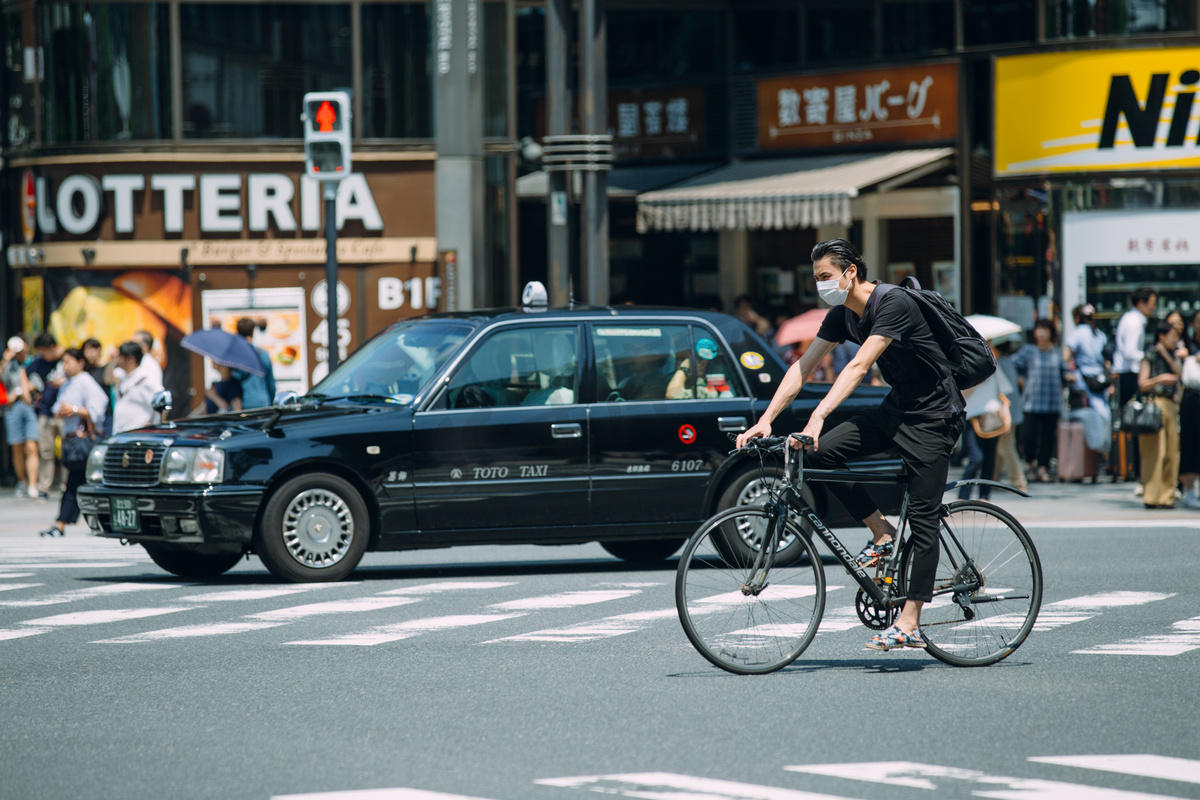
x=893, y=638
x=871, y=554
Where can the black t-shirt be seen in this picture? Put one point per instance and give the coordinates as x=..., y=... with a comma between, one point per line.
x=921, y=388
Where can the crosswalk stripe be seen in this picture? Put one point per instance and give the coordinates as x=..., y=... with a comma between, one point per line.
x=88, y=593
x=236, y=595
x=595, y=629
x=410, y=628
x=20, y=633
x=670, y=786
x=1143, y=765
x=191, y=631
x=99, y=617
x=1098, y=602
x=8, y=587
x=352, y=606
x=448, y=586
x=933, y=776
x=1183, y=639
x=7, y=575
x=565, y=600
x=377, y=794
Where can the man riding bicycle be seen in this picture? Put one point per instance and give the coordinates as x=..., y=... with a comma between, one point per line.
x=922, y=417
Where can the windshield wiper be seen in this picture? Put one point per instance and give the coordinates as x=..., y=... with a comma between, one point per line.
x=383, y=397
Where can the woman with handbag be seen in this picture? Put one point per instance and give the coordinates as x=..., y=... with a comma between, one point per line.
x=1158, y=378
x=989, y=417
x=1189, y=418
x=82, y=405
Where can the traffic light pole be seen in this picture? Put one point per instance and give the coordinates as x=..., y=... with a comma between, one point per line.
x=331, y=273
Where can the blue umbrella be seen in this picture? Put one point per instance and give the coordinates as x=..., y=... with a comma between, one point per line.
x=226, y=349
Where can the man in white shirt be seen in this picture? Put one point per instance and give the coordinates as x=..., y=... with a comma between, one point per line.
x=1130, y=344
x=136, y=389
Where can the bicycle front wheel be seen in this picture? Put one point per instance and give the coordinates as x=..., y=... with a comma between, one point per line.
x=987, y=588
x=732, y=623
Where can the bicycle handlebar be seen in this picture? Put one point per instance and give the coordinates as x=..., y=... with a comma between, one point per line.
x=774, y=444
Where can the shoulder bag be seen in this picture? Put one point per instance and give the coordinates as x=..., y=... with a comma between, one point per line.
x=991, y=424
x=76, y=447
x=1141, y=415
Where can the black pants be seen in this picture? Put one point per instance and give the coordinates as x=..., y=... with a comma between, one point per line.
x=924, y=446
x=1127, y=387
x=68, y=510
x=1041, y=438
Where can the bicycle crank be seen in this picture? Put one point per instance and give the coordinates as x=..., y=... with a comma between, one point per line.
x=873, y=616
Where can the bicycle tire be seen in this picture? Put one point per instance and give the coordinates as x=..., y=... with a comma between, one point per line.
x=747, y=634
x=1009, y=574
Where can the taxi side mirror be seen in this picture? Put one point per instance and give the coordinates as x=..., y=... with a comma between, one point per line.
x=286, y=398
x=162, y=403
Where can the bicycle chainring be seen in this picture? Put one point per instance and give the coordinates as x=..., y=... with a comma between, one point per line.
x=871, y=615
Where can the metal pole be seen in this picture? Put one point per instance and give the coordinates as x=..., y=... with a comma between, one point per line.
x=593, y=107
x=331, y=273
x=558, y=123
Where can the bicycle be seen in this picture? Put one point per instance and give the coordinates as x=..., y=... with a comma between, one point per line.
x=755, y=610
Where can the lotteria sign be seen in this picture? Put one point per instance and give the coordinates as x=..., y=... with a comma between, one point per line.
x=227, y=203
x=1105, y=111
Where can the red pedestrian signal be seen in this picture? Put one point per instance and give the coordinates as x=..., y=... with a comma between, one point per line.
x=327, y=133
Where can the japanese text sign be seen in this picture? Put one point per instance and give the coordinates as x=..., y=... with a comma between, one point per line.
x=832, y=109
x=1096, y=111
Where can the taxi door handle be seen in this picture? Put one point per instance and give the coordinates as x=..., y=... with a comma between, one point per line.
x=732, y=424
x=566, y=430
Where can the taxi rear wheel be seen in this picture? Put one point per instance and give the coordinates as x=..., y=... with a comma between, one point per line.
x=314, y=528
x=644, y=549
x=189, y=564
x=750, y=487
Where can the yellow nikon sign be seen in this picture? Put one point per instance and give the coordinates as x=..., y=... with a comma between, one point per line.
x=1107, y=111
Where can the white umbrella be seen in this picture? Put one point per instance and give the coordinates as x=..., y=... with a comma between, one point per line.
x=995, y=329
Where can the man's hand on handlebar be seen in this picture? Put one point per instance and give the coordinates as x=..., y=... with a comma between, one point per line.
x=813, y=431
x=759, y=430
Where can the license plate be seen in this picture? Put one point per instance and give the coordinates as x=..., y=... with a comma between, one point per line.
x=124, y=514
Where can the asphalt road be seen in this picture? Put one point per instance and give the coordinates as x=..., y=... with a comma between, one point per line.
x=527, y=672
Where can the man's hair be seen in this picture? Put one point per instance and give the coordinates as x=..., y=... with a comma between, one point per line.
x=131, y=350
x=44, y=340
x=245, y=327
x=842, y=255
x=145, y=338
x=90, y=343
x=1142, y=294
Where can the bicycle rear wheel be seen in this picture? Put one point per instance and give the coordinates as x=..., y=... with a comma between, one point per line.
x=989, y=558
x=742, y=632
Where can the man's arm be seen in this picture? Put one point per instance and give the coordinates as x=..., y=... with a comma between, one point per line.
x=793, y=381
x=845, y=384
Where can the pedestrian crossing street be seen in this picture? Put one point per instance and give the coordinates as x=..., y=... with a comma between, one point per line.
x=1085, y=776
x=360, y=614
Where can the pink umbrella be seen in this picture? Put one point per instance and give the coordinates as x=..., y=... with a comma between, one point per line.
x=802, y=328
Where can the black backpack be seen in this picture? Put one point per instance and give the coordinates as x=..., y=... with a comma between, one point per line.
x=964, y=352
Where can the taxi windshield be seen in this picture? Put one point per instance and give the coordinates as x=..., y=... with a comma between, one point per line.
x=396, y=364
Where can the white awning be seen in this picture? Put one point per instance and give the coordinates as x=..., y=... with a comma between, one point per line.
x=781, y=193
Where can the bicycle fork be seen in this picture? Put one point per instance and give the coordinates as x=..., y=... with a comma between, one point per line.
x=765, y=559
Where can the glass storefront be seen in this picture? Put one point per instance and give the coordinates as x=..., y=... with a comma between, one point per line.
x=397, y=85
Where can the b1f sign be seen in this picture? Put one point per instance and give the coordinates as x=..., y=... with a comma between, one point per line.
x=1109, y=111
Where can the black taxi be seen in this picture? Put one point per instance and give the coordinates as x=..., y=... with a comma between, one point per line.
x=557, y=426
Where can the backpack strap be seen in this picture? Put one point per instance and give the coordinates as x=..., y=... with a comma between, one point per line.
x=855, y=324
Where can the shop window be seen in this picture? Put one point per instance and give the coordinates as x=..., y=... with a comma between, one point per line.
x=495, y=70
x=20, y=63
x=397, y=86
x=1067, y=19
x=765, y=38
x=106, y=72
x=917, y=28
x=998, y=21
x=841, y=32
x=247, y=66
x=644, y=45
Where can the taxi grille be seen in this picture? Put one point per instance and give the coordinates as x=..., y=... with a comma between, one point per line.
x=125, y=464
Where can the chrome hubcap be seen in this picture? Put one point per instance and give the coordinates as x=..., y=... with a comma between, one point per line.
x=752, y=529
x=317, y=528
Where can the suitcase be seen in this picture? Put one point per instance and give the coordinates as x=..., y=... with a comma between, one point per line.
x=1122, y=459
x=1075, y=460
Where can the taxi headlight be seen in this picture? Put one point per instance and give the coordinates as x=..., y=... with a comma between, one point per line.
x=193, y=465
x=94, y=471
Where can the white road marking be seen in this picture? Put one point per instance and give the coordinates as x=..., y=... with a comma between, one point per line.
x=15, y=575
x=1142, y=765
x=448, y=586
x=8, y=587
x=843, y=618
x=377, y=794
x=352, y=606
x=99, y=617
x=595, y=629
x=21, y=633
x=1183, y=639
x=1095, y=602
x=409, y=629
x=191, y=631
x=73, y=565
x=1071, y=610
x=565, y=600
x=1112, y=523
x=670, y=786
x=934, y=777
x=88, y=593
x=236, y=595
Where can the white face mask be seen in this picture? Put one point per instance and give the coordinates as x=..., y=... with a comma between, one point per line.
x=831, y=291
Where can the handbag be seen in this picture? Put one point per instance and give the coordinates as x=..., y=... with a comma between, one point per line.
x=991, y=424
x=1141, y=415
x=76, y=447
x=1097, y=384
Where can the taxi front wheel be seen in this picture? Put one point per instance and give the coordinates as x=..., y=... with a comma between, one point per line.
x=643, y=550
x=188, y=564
x=314, y=528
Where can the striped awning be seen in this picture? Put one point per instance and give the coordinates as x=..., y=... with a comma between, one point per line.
x=781, y=193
